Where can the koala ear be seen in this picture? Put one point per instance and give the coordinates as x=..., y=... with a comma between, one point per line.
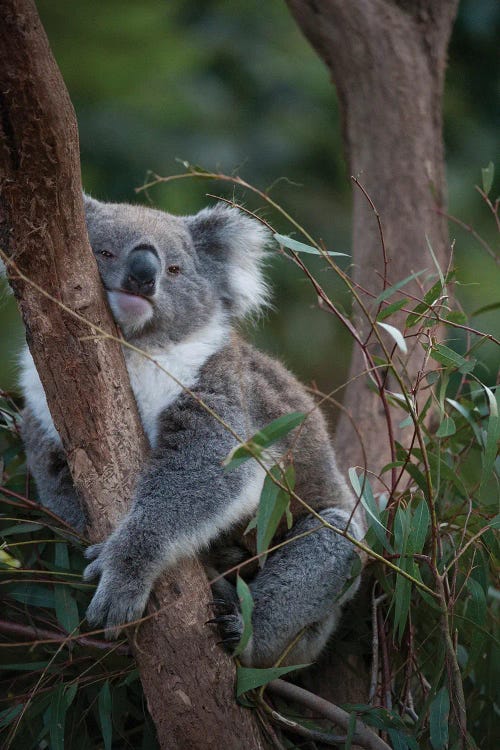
x=236, y=245
x=90, y=205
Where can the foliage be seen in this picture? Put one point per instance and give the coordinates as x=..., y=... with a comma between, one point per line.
x=432, y=517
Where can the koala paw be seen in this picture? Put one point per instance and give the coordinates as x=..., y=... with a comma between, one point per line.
x=120, y=597
x=230, y=624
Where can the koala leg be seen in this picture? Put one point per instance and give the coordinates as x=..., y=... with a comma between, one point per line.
x=300, y=586
x=47, y=463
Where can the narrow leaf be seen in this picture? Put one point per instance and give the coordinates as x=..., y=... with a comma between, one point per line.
x=419, y=527
x=450, y=358
x=269, y=434
x=363, y=490
x=488, y=174
x=301, y=247
x=57, y=718
x=249, y=678
x=272, y=505
x=9, y=714
x=477, y=613
x=392, y=308
x=394, y=288
x=439, y=712
x=396, y=335
x=446, y=428
x=105, y=708
x=246, y=606
x=492, y=437
x=66, y=606
x=429, y=299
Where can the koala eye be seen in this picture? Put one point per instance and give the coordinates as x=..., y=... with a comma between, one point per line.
x=106, y=254
x=174, y=269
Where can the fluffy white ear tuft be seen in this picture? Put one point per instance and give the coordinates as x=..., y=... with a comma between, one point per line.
x=238, y=242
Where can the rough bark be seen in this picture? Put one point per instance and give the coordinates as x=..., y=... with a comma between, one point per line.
x=187, y=679
x=387, y=59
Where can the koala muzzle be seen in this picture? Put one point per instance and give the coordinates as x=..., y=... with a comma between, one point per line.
x=143, y=268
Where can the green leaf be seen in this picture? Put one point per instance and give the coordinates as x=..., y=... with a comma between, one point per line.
x=66, y=606
x=446, y=428
x=57, y=718
x=402, y=590
x=402, y=741
x=363, y=490
x=246, y=606
x=301, y=247
x=477, y=613
x=269, y=434
x=273, y=504
x=249, y=678
x=438, y=719
x=492, y=437
x=105, y=712
x=429, y=299
x=34, y=594
x=450, y=358
x=419, y=527
x=21, y=528
x=398, y=285
x=396, y=335
x=456, y=316
x=392, y=308
x=495, y=522
x=8, y=716
x=488, y=175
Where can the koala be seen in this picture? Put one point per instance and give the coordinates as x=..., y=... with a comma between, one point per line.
x=177, y=287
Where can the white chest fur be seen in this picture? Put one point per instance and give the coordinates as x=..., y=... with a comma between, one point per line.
x=151, y=377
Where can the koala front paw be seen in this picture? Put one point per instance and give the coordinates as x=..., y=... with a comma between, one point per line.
x=121, y=596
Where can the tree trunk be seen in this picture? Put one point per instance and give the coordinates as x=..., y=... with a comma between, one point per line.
x=387, y=59
x=187, y=679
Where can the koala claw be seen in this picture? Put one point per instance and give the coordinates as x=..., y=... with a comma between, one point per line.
x=230, y=628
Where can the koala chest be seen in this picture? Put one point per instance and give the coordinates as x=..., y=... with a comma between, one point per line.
x=157, y=384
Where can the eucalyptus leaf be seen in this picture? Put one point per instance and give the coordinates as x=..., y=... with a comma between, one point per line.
x=246, y=606
x=398, y=285
x=104, y=704
x=269, y=434
x=65, y=604
x=57, y=717
x=488, y=175
x=272, y=505
x=301, y=247
x=249, y=678
x=392, y=308
x=396, y=335
x=438, y=719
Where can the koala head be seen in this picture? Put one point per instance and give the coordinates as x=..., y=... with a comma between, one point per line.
x=167, y=276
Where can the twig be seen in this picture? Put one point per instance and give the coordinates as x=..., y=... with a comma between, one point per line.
x=39, y=634
x=364, y=736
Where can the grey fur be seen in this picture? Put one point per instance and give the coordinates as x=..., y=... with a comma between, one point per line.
x=199, y=275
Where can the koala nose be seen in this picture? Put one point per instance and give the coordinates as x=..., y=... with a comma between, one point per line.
x=142, y=271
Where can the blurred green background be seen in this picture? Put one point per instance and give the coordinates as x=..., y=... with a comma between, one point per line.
x=234, y=87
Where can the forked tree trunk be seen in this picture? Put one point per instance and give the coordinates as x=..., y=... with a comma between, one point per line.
x=387, y=59
x=187, y=679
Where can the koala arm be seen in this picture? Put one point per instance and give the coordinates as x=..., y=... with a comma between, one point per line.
x=183, y=500
x=47, y=463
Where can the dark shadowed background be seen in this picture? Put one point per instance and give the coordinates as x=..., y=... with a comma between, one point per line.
x=234, y=87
